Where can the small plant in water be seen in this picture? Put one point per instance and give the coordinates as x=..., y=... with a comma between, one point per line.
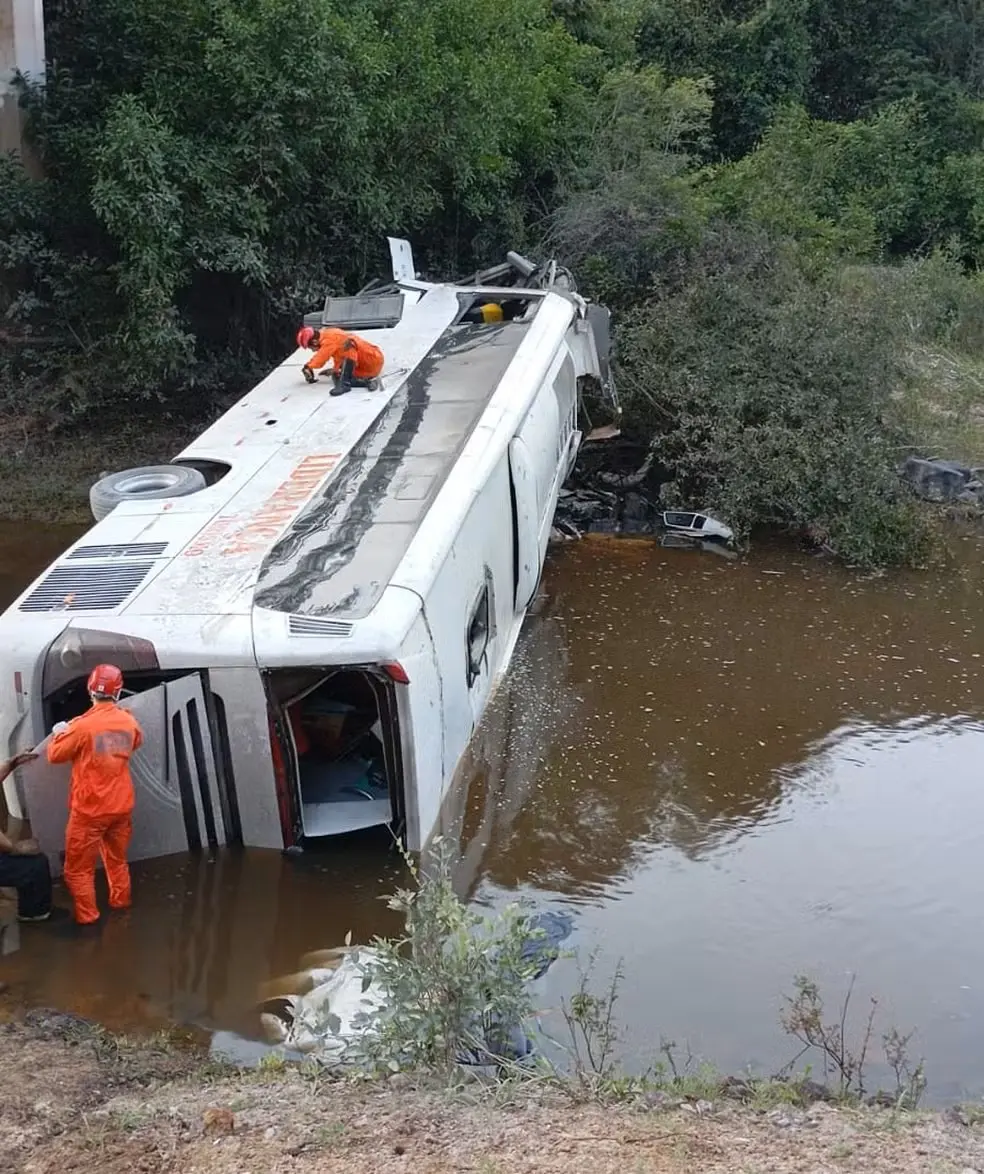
x=910, y=1080
x=457, y=982
x=803, y=1018
x=593, y=1030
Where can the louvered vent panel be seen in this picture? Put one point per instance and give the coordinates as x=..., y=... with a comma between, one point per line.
x=121, y=550
x=314, y=626
x=96, y=587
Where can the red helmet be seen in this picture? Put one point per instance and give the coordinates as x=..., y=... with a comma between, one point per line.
x=305, y=336
x=105, y=680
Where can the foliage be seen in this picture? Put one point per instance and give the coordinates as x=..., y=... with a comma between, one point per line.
x=758, y=55
x=213, y=169
x=628, y=203
x=769, y=394
x=872, y=188
x=608, y=25
x=843, y=190
x=454, y=981
x=803, y=1018
x=593, y=1031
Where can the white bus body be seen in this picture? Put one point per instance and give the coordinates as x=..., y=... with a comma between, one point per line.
x=354, y=573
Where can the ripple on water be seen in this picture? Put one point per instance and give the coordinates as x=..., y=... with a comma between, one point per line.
x=732, y=773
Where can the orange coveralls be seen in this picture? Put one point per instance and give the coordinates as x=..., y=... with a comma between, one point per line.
x=339, y=345
x=99, y=745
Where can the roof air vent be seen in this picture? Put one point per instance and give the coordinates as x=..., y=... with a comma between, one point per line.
x=315, y=626
x=92, y=587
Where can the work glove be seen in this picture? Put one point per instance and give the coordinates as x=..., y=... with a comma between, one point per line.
x=308, y=374
x=58, y=727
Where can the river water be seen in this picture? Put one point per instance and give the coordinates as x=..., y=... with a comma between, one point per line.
x=730, y=773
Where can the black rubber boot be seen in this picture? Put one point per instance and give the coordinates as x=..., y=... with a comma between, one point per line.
x=344, y=381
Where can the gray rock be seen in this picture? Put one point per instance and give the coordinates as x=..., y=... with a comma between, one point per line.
x=811, y=1091
x=48, y=1023
x=788, y=1118
x=661, y=1101
x=737, y=1089
x=942, y=481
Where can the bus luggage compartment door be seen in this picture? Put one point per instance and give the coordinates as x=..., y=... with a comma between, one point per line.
x=174, y=777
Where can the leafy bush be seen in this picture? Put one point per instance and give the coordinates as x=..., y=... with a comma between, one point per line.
x=769, y=397
x=212, y=170
x=454, y=981
x=628, y=203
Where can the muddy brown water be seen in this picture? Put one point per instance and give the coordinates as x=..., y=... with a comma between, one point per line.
x=729, y=773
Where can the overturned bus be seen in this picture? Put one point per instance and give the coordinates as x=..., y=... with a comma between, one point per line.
x=313, y=602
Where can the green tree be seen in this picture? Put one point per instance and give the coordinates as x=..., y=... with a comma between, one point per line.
x=756, y=54
x=769, y=396
x=220, y=166
x=626, y=202
x=858, y=189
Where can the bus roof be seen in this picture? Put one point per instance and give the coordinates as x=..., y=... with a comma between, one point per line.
x=323, y=496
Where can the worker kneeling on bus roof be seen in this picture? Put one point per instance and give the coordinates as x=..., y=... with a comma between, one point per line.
x=355, y=361
x=100, y=821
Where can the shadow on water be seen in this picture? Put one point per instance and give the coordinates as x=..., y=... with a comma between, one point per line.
x=732, y=772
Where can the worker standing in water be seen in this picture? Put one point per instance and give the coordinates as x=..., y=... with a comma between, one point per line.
x=355, y=361
x=99, y=745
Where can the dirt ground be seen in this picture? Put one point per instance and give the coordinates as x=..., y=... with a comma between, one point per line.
x=75, y=1099
x=46, y=475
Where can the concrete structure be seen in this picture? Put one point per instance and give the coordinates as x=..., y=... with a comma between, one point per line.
x=21, y=51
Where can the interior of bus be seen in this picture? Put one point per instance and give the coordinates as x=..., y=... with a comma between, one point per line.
x=338, y=741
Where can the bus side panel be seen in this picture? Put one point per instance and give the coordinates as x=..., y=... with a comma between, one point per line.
x=540, y=431
x=478, y=570
x=255, y=793
x=420, y=709
x=547, y=432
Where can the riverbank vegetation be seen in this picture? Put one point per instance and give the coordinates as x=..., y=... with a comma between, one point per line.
x=780, y=199
x=121, y=1105
x=452, y=1003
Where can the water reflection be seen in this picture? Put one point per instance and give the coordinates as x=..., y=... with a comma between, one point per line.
x=205, y=933
x=733, y=771
x=662, y=699
x=755, y=771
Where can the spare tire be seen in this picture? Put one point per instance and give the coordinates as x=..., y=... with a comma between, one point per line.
x=151, y=483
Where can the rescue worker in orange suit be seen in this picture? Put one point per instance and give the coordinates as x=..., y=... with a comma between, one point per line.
x=355, y=361
x=98, y=745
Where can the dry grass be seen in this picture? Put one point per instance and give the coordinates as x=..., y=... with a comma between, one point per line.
x=75, y=1099
x=943, y=406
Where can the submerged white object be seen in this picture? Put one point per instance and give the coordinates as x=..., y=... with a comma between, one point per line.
x=274, y=1028
x=337, y=1011
x=700, y=525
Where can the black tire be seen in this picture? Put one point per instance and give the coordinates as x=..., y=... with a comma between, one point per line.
x=150, y=483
